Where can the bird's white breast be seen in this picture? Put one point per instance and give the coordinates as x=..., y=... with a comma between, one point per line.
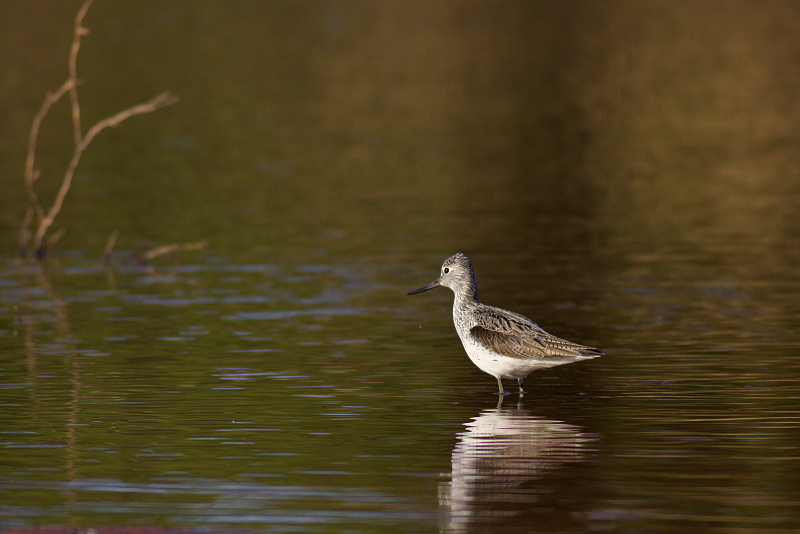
x=495, y=364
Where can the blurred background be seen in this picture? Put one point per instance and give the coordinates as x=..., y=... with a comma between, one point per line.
x=546, y=126
x=626, y=173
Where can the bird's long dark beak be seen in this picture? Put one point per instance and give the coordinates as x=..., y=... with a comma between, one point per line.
x=435, y=283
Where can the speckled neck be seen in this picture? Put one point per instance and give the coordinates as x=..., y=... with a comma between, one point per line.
x=467, y=292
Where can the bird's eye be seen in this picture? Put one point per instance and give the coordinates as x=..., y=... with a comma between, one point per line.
x=446, y=270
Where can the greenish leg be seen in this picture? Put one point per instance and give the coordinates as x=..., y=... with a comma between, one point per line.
x=519, y=380
x=500, y=385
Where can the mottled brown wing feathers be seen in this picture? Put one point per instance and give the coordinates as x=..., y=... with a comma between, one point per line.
x=510, y=345
x=515, y=336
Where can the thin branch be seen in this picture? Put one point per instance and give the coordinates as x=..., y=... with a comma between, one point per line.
x=45, y=219
x=25, y=231
x=164, y=99
x=73, y=70
x=30, y=173
x=112, y=239
x=55, y=237
x=166, y=249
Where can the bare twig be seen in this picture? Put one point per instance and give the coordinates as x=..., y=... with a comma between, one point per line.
x=25, y=231
x=55, y=236
x=164, y=99
x=166, y=249
x=112, y=239
x=31, y=174
x=45, y=218
x=73, y=69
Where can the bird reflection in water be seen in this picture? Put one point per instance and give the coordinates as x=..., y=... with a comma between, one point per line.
x=496, y=462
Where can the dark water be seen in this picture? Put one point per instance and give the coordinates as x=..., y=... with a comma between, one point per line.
x=627, y=174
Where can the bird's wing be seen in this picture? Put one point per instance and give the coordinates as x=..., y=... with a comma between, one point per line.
x=507, y=344
x=515, y=336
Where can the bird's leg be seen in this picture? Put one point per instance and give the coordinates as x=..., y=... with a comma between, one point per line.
x=519, y=381
x=500, y=385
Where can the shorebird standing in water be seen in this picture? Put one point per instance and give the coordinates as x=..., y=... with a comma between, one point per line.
x=501, y=343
